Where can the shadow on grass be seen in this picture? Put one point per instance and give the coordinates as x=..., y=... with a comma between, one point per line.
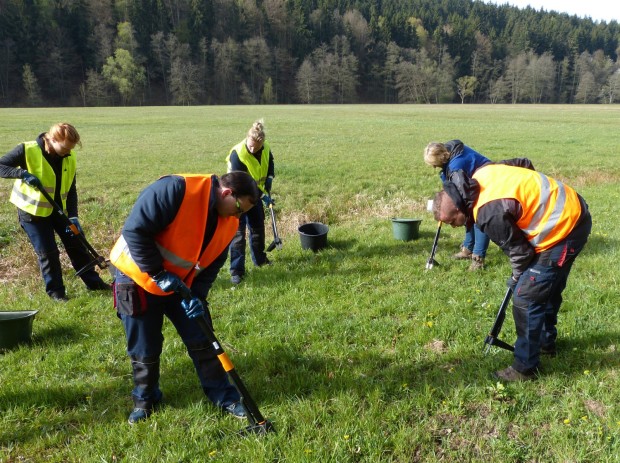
x=285, y=372
x=57, y=335
x=54, y=409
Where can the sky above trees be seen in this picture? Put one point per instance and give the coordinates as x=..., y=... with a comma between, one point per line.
x=598, y=10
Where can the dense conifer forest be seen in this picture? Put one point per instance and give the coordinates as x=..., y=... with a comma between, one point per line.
x=191, y=52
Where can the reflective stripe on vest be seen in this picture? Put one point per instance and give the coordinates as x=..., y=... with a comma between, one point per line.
x=257, y=170
x=181, y=241
x=550, y=209
x=30, y=199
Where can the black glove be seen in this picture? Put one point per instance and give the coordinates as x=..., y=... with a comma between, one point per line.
x=194, y=308
x=168, y=282
x=268, y=183
x=512, y=282
x=32, y=180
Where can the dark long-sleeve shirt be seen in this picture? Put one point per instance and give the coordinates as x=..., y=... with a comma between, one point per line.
x=156, y=207
x=498, y=220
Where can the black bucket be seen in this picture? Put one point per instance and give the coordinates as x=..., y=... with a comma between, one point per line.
x=15, y=328
x=313, y=236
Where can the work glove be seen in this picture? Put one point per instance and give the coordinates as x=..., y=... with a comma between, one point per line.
x=194, y=307
x=76, y=222
x=32, y=180
x=168, y=282
x=512, y=282
x=267, y=200
x=268, y=183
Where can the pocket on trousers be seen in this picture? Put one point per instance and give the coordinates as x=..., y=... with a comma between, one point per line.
x=536, y=285
x=129, y=299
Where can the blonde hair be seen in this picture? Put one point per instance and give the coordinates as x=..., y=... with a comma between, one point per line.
x=257, y=131
x=63, y=131
x=436, y=154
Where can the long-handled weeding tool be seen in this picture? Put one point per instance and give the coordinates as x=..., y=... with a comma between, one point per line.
x=431, y=262
x=277, y=242
x=492, y=338
x=258, y=424
x=97, y=259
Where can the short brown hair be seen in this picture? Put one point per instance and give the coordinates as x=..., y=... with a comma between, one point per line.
x=63, y=131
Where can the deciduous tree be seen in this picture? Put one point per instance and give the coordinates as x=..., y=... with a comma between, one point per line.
x=124, y=74
x=31, y=86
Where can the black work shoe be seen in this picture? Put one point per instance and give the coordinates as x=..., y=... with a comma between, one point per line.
x=58, y=296
x=235, y=279
x=235, y=409
x=549, y=350
x=99, y=286
x=266, y=262
x=139, y=414
x=511, y=375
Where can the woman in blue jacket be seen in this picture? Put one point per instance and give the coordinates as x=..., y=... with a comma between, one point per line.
x=451, y=157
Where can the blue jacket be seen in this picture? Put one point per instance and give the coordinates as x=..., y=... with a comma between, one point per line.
x=462, y=157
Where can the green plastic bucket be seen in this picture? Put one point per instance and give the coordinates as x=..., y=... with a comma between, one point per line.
x=15, y=327
x=406, y=229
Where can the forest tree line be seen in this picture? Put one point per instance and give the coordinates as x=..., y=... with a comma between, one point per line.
x=190, y=52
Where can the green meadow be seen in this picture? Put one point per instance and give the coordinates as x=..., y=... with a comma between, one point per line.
x=356, y=353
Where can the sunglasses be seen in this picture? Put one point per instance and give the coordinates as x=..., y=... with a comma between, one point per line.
x=239, y=210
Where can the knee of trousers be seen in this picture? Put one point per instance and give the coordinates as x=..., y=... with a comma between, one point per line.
x=206, y=361
x=238, y=241
x=145, y=370
x=51, y=254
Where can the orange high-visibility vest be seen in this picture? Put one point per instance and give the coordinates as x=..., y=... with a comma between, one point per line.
x=550, y=208
x=181, y=241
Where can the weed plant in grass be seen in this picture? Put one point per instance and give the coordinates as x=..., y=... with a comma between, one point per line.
x=356, y=353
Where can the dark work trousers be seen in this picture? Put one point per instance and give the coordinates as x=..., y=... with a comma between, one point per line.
x=40, y=231
x=538, y=296
x=143, y=331
x=254, y=221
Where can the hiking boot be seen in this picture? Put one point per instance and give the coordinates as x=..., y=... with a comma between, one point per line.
x=235, y=409
x=139, y=414
x=477, y=263
x=511, y=375
x=235, y=279
x=464, y=253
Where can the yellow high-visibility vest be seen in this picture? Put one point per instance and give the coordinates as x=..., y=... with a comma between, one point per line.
x=30, y=199
x=258, y=170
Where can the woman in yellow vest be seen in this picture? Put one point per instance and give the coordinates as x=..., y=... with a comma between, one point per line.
x=176, y=239
x=252, y=155
x=541, y=225
x=49, y=162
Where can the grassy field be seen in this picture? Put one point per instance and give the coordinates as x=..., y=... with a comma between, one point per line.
x=355, y=353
